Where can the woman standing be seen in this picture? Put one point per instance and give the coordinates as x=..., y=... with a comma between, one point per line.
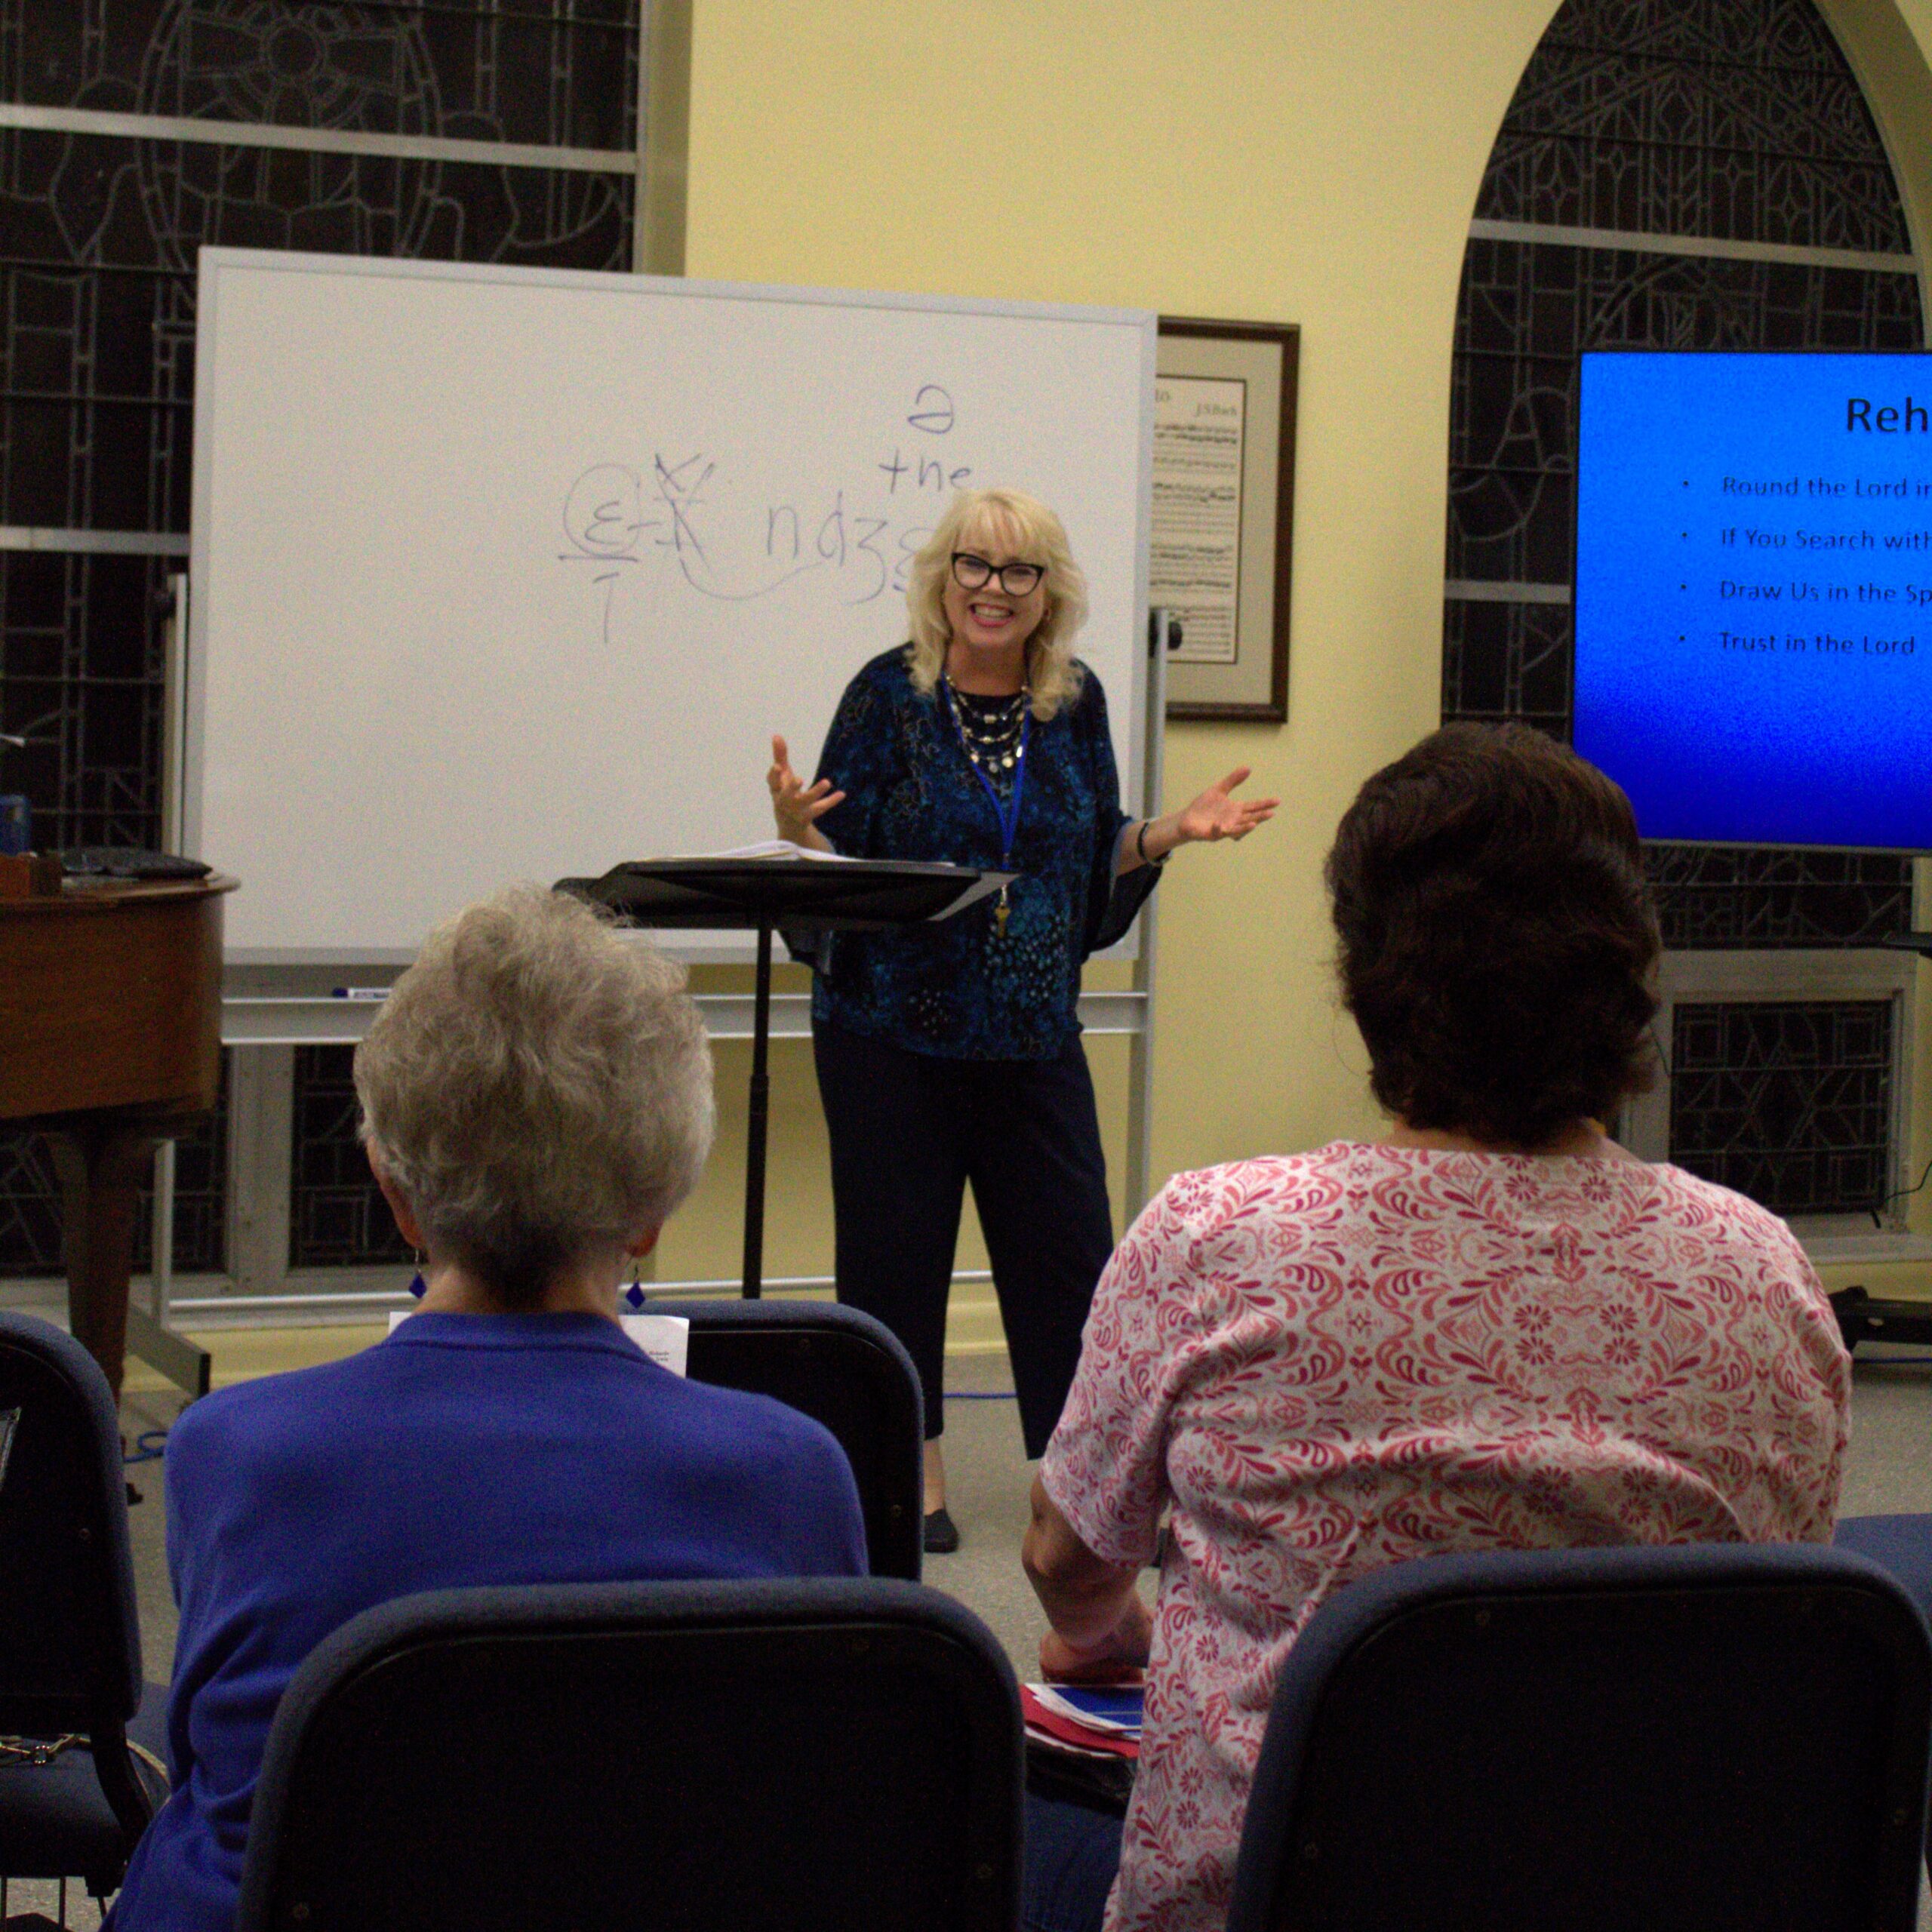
x=950, y=1052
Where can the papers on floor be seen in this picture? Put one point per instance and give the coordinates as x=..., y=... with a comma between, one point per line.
x=1096, y=1721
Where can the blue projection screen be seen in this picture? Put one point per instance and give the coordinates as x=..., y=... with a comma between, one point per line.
x=1754, y=595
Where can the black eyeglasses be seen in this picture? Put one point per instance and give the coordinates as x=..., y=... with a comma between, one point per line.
x=972, y=573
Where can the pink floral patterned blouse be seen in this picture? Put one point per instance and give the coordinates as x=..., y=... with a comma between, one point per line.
x=1330, y=1361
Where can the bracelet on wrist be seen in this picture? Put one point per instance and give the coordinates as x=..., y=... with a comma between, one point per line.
x=1140, y=846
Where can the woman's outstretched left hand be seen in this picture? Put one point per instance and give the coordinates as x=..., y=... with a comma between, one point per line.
x=1216, y=814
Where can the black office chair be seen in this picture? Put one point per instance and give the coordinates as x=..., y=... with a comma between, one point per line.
x=845, y=1370
x=70, y=1644
x=1902, y=1547
x=793, y=1756
x=1712, y=1739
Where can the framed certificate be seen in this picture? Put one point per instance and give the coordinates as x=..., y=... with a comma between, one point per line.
x=1224, y=467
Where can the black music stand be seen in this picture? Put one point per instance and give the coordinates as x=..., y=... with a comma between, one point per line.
x=807, y=895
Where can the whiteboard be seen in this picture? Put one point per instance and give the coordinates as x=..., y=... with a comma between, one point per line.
x=504, y=574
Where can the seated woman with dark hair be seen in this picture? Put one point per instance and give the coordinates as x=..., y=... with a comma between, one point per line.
x=1490, y=1328
x=536, y=1099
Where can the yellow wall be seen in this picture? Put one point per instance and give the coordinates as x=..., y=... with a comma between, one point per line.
x=1306, y=160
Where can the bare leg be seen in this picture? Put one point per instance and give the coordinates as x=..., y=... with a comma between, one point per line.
x=935, y=1477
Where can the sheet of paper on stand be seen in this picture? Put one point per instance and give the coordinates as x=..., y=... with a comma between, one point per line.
x=769, y=848
x=782, y=849
x=666, y=1338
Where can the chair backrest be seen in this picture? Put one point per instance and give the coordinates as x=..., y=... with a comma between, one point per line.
x=820, y=1753
x=1686, y=1739
x=843, y=1369
x=70, y=1647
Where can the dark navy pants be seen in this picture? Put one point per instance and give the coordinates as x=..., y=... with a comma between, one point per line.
x=908, y=1132
x=1073, y=1855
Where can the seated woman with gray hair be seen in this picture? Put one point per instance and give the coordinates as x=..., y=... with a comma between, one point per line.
x=536, y=1099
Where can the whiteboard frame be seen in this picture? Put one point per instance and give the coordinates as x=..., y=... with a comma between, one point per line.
x=1145, y=726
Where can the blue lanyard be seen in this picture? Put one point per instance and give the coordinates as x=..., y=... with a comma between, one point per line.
x=1007, y=814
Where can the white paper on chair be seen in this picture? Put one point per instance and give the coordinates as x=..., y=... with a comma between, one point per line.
x=666, y=1338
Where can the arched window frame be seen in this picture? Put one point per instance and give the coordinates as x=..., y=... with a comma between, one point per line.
x=1702, y=174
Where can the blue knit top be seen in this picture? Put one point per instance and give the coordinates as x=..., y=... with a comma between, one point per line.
x=961, y=987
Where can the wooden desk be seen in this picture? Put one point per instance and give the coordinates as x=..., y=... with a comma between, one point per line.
x=110, y=1041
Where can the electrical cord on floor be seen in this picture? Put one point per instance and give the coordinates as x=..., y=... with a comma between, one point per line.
x=1657, y=1041
x=1900, y=1194
x=148, y=1447
x=982, y=1396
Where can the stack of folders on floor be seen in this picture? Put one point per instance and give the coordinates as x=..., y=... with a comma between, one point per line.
x=1082, y=1741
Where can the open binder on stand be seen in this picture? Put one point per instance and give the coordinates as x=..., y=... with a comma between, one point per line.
x=765, y=888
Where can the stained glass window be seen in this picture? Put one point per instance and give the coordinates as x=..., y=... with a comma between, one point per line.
x=100, y=235
x=1789, y=1101
x=1732, y=120
x=1642, y=129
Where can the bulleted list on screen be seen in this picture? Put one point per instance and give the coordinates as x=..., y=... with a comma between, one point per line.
x=1831, y=566
x=1752, y=598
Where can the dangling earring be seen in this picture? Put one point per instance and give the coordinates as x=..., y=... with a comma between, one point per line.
x=418, y=1287
x=634, y=1294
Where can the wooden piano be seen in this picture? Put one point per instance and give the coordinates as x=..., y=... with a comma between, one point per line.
x=110, y=1042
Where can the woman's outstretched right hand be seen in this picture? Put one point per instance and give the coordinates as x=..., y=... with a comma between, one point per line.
x=796, y=806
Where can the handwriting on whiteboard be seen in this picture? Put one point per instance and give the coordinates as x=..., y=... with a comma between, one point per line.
x=683, y=510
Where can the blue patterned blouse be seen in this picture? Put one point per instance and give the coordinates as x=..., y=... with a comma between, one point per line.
x=961, y=988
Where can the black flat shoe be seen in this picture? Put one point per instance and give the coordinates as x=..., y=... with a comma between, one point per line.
x=941, y=1533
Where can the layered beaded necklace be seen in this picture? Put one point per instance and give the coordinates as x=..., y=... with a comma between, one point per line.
x=993, y=730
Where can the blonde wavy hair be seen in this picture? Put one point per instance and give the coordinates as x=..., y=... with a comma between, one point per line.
x=1022, y=524
x=537, y=1086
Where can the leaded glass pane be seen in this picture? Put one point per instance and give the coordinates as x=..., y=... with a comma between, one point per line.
x=1787, y=1101
x=337, y=1213
x=1507, y=661
x=80, y=680
x=30, y=1220
x=1732, y=117
x=1528, y=311
x=554, y=73
x=1734, y=899
x=1684, y=117
x=29, y=1207
x=97, y=345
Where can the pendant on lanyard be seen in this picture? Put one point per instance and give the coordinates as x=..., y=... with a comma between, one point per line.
x=1007, y=814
